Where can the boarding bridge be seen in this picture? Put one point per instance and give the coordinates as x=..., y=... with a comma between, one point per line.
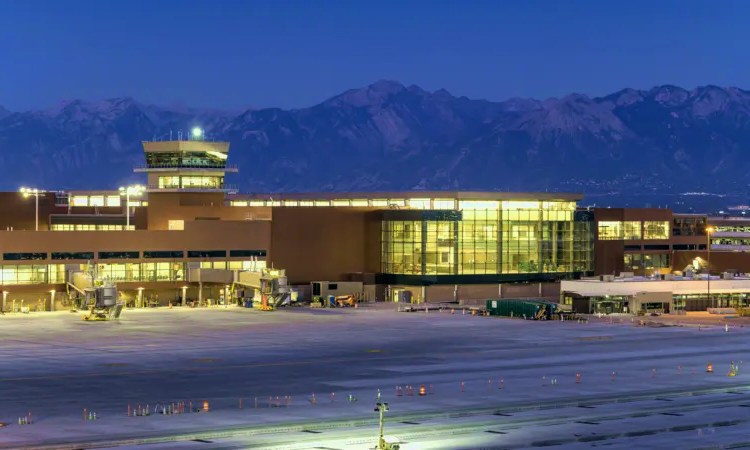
x=270, y=283
x=79, y=281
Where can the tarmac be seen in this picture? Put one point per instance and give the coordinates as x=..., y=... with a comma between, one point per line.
x=495, y=383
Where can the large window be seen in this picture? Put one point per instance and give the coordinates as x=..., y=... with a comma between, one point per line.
x=655, y=230
x=635, y=261
x=254, y=266
x=24, y=256
x=631, y=231
x=657, y=261
x=402, y=247
x=89, y=227
x=164, y=254
x=609, y=231
x=72, y=255
x=537, y=237
x=163, y=271
x=118, y=255
x=124, y=272
x=32, y=274
x=486, y=237
x=207, y=254
x=196, y=182
x=169, y=182
x=246, y=253
x=618, y=231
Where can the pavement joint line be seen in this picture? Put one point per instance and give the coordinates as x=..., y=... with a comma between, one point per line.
x=362, y=422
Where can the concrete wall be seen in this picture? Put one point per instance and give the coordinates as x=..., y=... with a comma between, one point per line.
x=720, y=261
x=199, y=235
x=322, y=243
x=163, y=207
x=479, y=293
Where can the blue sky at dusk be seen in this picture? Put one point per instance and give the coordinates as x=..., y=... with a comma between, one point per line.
x=235, y=53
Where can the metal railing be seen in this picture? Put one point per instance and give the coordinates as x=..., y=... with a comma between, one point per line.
x=218, y=166
x=230, y=188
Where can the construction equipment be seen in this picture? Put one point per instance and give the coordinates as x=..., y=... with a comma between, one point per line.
x=343, y=301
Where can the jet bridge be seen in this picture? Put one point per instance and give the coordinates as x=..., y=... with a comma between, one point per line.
x=270, y=285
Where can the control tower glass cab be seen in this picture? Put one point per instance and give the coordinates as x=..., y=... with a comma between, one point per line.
x=192, y=165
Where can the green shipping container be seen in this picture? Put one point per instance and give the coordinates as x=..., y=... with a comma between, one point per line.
x=521, y=308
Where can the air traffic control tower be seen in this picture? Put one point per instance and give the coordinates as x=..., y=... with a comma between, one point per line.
x=192, y=166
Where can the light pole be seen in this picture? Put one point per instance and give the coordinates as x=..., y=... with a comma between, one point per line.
x=130, y=191
x=709, y=230
x=26, y=192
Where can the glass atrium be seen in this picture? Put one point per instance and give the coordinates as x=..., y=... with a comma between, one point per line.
x=485, y=237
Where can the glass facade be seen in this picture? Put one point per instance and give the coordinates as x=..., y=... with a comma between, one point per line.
x=583, y=241
x=200, y=160
x=486, y=237
x=17, y=274
x=635, y=261
x=656, y=230
x=619, y=231
x=191, y=182
x=11, y=274
x=89, y=227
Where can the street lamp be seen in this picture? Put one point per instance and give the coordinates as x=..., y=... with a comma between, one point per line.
x=197, y=133
x=709, y=230
x=130, y=191
x=26, y=192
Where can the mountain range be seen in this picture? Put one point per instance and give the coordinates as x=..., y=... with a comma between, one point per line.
x=388, y=136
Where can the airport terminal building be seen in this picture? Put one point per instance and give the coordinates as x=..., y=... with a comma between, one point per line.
x=186, y=235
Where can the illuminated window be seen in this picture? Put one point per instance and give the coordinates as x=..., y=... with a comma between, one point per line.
x=169, y=182
x=380, y=203
x=631, y=230
x=272, y=203
x=512, y=205
x=419, y=203
x=238, y=203
x=322, y=203
x=96, y=200
x=202, y=182
x=306, y=203
x=176, y=225
x=113, y=200
x=85, y=227
x=480, y=204
x=610, y=231
x=444, y=204
x=136, y=203
x=655, y=230
x=360, y=203
x=396, y=202
x=291, y=203
x=340, y=203
x=80, y=201
x=256, y=203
